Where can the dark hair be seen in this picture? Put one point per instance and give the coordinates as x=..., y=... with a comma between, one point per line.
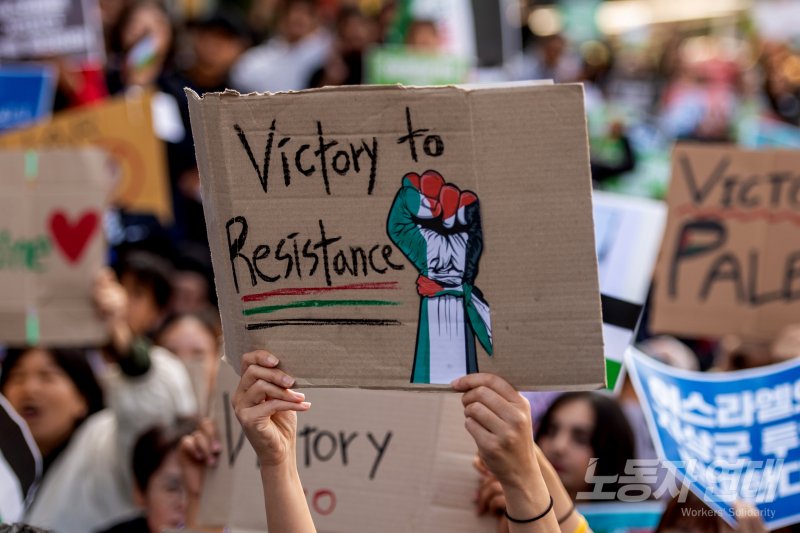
x=154, y=445
x=115, y=41
x=207, y=318
x=612, y=438
x=151, y=271
x=73, y=362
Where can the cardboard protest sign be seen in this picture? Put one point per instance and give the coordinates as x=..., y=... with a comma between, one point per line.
x=20, y=464
x=368, y=460
x=51, y=245
x=627, y=235
x=124, y=128
x=26, y=94
x=369, y=233
x=730, y=259
x=728, y=436
x=30, y=30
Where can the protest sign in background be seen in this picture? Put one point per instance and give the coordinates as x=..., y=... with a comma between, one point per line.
x=627, y=235
x=386, y=65
x=730, y=436
x=730, y=259
x=336, y=245
x=26, y=94
x=51, y=245
x=368, y=460
x=31, y=29
x=124, y=128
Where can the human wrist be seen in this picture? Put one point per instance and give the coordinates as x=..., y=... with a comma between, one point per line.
x=526, y=494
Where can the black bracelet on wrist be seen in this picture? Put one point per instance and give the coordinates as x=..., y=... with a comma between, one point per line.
x=567, y=515
x=535, y=518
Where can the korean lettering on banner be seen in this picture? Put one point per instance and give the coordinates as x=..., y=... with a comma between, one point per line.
x=731, y=436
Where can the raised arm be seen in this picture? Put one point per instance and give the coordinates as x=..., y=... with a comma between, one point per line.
x=266, y=408
x=499, y=419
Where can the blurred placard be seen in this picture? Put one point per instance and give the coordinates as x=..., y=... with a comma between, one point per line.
x=124, y=128
x=389, y=65
x=730, y=259
x=627, y=234
x=26, y=94
x=51, y=245
x=31, y=29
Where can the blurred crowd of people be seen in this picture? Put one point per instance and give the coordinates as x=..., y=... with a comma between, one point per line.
x=110, y=420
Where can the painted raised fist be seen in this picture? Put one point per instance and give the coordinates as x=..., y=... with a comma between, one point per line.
x=437, y=226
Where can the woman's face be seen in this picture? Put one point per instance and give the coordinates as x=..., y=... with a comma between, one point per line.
x=45, y=396
x=567, y=443
x=165, y=498
x=193, y=344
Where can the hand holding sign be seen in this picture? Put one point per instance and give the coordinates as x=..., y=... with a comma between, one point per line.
x=499, y=419
x=265, y=407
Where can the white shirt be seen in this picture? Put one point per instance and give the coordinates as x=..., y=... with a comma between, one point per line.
x=89, y=486
x=279, y=66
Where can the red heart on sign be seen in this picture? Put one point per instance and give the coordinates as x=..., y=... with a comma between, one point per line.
x=73, y=238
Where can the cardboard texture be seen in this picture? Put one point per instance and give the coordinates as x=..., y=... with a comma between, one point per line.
x=406, y=464
x=51, y=245
x=347, y=257
x=730, y=259
x=123, y=127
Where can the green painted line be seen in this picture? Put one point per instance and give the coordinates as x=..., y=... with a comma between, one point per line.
x=264, y=309
x=31, y=164
x=32, y=329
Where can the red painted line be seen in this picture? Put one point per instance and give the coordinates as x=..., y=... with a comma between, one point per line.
x=771, y=217
x=301, y=291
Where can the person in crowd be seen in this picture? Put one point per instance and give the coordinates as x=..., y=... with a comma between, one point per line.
x=195, y=339
x=86, y=446
x=193, y=288
x=355, y=32
x=423, y=36
x=548, y=59
x=286, y=61
x=579, y=427
x=215, y=43
x=159, y=481
x=147, y=280
x=142, y=43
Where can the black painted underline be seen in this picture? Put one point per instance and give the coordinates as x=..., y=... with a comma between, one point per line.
x=323, y=322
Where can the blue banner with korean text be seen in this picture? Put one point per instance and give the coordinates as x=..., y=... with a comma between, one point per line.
x=729, y=436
